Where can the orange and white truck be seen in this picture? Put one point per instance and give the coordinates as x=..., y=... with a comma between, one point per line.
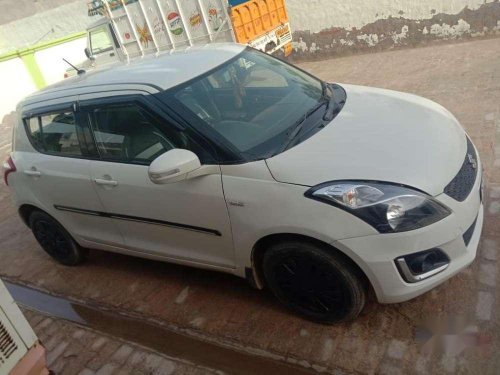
x=21, y=353
x=128, y=29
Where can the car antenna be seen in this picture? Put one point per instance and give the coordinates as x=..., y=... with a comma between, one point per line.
x=78, y=71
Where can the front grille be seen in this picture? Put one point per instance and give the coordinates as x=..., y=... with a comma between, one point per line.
x=469, y=232
x=461, y=186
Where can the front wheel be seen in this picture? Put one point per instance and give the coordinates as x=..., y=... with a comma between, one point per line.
x=313, y=282
x=55, y=240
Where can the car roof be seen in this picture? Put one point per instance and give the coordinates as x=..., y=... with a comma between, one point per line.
x=162, y=71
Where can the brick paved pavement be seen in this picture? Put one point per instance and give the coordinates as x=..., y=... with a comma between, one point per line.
x=76, y=350
x=465, y=78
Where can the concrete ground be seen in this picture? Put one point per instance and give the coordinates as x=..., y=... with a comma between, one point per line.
x=388, y=339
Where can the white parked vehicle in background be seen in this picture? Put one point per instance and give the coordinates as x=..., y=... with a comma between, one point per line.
x=229, y=159
x=129, y=29
x=21, y=353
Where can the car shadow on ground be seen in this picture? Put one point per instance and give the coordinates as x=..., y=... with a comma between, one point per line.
x=226, y=285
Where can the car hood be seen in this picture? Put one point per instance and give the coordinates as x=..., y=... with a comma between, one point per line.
x=379, y=135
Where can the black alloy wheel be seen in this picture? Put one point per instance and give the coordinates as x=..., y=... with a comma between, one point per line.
x=314, y=282
x=55, y=240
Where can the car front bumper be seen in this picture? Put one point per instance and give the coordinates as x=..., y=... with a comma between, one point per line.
x=376, y=254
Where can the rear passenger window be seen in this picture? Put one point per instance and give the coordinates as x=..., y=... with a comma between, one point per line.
x=55, y=134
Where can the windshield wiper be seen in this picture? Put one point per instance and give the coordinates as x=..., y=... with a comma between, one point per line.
x=326, y=97
x=297, y=128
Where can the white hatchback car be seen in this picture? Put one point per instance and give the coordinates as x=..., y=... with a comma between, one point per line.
x=225, y=158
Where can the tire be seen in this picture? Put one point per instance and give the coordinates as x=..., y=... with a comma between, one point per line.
x=55, y=240
x=313, y=282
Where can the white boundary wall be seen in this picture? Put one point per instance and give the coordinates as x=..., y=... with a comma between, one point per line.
x=16, y=84
x=51, y=61
x=316, y=15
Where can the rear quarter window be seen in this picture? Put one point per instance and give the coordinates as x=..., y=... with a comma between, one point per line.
x=33, y=128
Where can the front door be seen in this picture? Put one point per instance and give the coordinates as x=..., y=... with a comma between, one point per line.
x=184, y=221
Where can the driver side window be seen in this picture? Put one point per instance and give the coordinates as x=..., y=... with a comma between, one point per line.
x=127, y=133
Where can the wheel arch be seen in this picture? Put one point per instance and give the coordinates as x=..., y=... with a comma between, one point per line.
x=262, y=245
x=25, y=211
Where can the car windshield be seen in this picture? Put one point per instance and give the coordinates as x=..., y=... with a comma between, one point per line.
x=253, y=101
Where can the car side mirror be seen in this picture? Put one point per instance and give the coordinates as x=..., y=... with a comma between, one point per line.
x=88, y=54
x=173, y=166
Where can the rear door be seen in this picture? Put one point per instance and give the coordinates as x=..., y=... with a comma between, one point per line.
x=55, y=172
x=184, y=221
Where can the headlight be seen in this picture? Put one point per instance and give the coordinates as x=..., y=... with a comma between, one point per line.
x=388, y=208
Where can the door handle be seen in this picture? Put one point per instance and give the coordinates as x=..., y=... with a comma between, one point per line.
x=100, y=181
x=32, y=173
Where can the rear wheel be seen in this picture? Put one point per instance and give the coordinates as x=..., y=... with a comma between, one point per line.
x=313, y=282
x=55, y=240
